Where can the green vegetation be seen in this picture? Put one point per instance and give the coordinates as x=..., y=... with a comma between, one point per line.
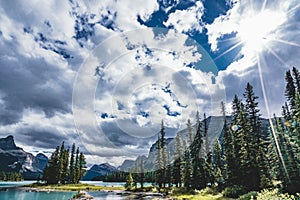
x=10, y=176
x=246, y=162
x=73, y=187
x=60, y=170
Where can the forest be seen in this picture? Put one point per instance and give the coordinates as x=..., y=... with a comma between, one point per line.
x=243, y=159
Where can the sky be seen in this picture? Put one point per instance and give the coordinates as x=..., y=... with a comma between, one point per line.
x=103, y=74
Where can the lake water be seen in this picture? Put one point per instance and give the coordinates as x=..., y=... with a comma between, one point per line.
x=9, y=191
x=22, y=194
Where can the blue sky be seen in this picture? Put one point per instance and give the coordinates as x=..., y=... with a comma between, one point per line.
x=104, y=73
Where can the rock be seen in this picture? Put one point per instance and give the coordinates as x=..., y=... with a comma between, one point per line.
x=82, y=195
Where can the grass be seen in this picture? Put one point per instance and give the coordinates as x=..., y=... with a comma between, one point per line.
x=205, y=194
x=73, y=187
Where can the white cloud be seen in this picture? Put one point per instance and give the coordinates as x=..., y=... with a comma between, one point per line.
x=187, y=20
x=278, y=51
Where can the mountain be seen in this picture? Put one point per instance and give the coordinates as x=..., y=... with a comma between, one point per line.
x=15, y=159
x=215, y=130
x=126, y=165
x=99, y=170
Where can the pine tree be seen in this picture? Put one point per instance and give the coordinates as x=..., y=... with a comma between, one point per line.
x=254, y=138
x=158, y=164
x=218, y=163
x=206, y=133
x=61, y=162
x=163, y=153
x=190, y=132
x=65, y=169
x=177, y=168
x=198, y=174
x=136, y=174
x=187, y=176
x=72, y=165
x=76, y=168
x=142, y=174
x=51, y=171
x=290, y=90
x=296, y=76
x=168, y=172
x=129, y=182
x=82, y=165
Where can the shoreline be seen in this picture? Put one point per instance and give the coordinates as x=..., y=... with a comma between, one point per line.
x=84, y=193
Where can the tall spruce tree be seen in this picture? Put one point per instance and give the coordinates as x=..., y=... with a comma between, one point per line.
x=163, y=153
x=76, y=168
x=178, y=163
x=187, y=176
x=51, y=171
x=296, y=76
x=290, y=90
x=72, y=164
x=228, y=149
x=218, y=163
x=142, y=174
x=198, y=180
x=205, y=130
x=82, y=165
x=158, y=164
x=255, y=140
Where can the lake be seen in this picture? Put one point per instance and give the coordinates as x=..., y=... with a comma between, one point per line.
x=10, y=191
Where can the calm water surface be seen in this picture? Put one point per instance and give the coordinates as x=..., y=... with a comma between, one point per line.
x=10, y=191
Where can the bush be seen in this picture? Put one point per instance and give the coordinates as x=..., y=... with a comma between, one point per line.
x=275, y=195
x=212, y=191
x=249, y=196
x=234, y=191
x=182, y=190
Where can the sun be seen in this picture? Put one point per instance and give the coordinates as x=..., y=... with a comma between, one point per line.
x=256, y=30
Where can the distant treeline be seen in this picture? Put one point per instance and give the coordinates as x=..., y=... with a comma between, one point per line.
x=10, y=176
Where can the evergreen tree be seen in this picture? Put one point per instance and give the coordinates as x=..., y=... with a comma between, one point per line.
x=65, y=163
x=82, y=165
x=190, y=132
x=158, y=164
x=177, y=168
x=218, y=163
x=136, y=174
x=129, y=182
x=51, y=171
x=296, y=76
x=142, y=174
x=76, y=168
x=61, y=159
x=290, y=89
x=72, y=164
x=198, y=174
x=206, y=133
x=163, y=153
x=254, y=138
x=168, y=171
x=187, y=176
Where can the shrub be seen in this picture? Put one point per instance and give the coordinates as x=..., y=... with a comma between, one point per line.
x=249, y=196
x=212, y=191
x=234, y=191
x=275, y=195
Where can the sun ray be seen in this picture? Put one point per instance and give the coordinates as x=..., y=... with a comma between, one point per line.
x=227, y=40
x=285, y=42
x=275, y=55
x=263, y=6
x=292, y=9
x=227, y=51
x=269, y=116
